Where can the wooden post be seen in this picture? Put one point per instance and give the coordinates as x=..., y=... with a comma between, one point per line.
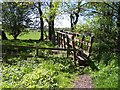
x=36, y=51
x=68, y=51
x=64, y=40
x=60, y=39
x=91, y=42
x=73, y=45
x=57, y=38
x=6, y=53
x=82, y=41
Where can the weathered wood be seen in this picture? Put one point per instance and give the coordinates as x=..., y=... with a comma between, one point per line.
x=82, y=41
x=68, y=47
x=74, y=52
x=61, y=40
x=68, y=41
x=64, y=41
x=15, y=46
x=36, y=51
x=91, y=42
x=57, y=38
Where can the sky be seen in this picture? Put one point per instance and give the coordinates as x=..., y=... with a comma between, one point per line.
x=61, y=21
x=65, y=22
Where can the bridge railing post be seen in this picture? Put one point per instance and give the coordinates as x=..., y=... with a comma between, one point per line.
x=64, y=40
x=58, y=39
x=74, y=50
x=36, y=51
x=68, y=47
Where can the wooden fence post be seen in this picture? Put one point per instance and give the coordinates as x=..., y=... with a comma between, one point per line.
x=82, y=41
x=57, y=38
x=64, y=40
x=74, y=50
x=6, y=53
x=36, y=51
x=60, y=39
x=91, y=42
x=68, y=51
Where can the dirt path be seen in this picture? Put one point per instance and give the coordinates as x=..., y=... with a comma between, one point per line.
x=84, y=81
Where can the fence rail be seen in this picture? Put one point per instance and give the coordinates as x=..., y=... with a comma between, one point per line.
x=66, y=41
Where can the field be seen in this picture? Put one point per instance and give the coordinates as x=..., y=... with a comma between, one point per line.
x=30, y=35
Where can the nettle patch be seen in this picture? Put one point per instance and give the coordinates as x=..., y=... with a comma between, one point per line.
x=38, y=73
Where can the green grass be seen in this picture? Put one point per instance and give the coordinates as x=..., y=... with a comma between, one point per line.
x=107, y=76
x=35, y=35
x=52, y=71
x=39, y=73
x=28, y=43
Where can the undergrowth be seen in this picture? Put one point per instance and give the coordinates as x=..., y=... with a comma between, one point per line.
x=107, y=76
x=39, y=73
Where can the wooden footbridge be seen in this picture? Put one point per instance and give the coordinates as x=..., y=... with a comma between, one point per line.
x=77, y=45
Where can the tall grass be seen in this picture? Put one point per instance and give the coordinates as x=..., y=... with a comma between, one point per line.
x=107, y=76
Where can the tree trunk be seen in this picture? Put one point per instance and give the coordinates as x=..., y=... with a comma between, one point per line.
x=50, y=34
x=16, y=33
x=118, y=37
x=53, y=32
x=4, y=36
x=50, y=23
x=41, y=22
x=73, y=20
x=15, y=37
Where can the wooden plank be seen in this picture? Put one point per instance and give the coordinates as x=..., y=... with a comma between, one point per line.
x=64, y=49
x=37, y=47
x=83, y=51
x=14, y=46
x=70, y=36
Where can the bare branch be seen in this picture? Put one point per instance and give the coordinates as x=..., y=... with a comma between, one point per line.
x=110, y=6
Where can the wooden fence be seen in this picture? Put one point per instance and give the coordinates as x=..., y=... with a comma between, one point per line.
x=74, y=43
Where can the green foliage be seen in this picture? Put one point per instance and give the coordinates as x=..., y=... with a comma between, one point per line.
x=51, y=71
x=15, y=17
x=38, y=73
x=107, y=76
x=82, y=28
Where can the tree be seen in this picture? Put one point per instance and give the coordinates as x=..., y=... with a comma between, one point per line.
x=108, y=19
x=15, y=17
x=41, y=20
x=51, y=8
x=74, y=17
x=118, y=25
x=74, y=9
x=37, y=7
x=2, y=33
